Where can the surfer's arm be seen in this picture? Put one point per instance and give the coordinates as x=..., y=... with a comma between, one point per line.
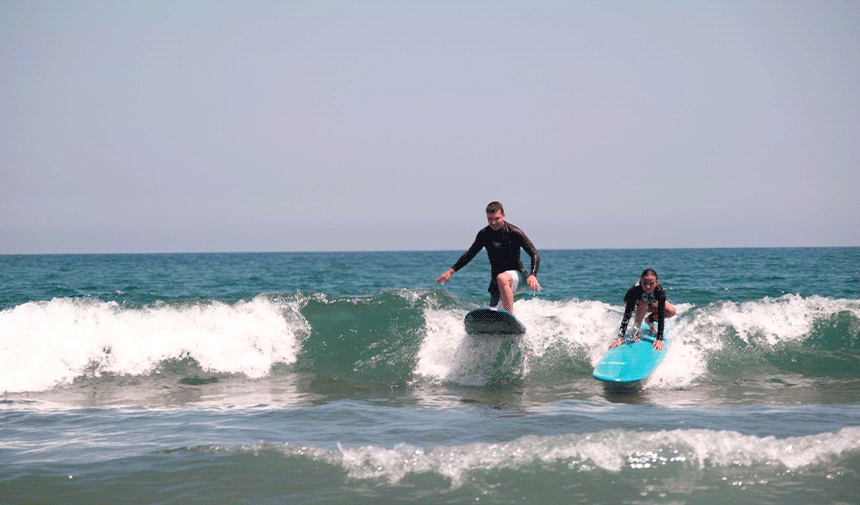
x=531, y=250
x=661, y=315
x=467, y=256
x=629, y=306
x=470, y=254
x=533, y=253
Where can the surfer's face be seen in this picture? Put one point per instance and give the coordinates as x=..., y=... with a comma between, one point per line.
x=648, y=283
x=496, y=220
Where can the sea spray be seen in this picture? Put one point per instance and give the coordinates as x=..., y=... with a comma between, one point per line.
x=50, y=343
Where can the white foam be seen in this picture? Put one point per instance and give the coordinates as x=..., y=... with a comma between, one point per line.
x=613, y=451
x=570, y=328
x=576, y=327
x=49, y=343
x=774, y=320
x=697, y=333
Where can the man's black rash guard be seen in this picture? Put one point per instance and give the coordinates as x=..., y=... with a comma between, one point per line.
x=637, y=294
x=503, y=250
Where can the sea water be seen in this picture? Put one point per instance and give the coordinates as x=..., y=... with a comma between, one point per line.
x=348, y=378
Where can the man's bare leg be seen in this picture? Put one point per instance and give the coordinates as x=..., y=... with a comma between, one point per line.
x=506, y=293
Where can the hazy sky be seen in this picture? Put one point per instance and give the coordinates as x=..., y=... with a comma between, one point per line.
x=164, y=126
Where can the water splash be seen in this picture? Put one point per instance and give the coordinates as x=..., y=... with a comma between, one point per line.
x=53, y=342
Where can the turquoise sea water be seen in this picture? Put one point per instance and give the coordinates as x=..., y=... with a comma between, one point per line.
x=348, y=378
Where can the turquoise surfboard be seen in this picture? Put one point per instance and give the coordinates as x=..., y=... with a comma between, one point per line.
x=631, y=361
x=491, y=320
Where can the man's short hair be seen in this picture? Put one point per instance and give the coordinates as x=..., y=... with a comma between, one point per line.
x=494, y=207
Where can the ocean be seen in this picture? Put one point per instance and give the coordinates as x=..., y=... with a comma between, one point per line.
x=329, y=378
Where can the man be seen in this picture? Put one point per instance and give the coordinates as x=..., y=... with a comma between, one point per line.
x=503, y=242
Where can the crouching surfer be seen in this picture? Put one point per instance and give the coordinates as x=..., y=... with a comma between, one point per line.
x=646, y=296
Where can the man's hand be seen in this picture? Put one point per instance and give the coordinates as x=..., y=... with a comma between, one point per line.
x=444, y=278
x=533, y=283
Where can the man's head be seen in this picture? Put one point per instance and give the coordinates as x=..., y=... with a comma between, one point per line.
x=495, y=215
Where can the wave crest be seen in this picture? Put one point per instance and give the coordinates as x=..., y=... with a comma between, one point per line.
x=404, y=335
x=54, y=342
x=612, y=451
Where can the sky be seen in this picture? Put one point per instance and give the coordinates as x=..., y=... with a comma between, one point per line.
x=325, y=125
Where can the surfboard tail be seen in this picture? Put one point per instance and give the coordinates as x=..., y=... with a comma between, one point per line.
x=491, y=320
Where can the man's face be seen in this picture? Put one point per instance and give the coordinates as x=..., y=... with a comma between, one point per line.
x=496, y=220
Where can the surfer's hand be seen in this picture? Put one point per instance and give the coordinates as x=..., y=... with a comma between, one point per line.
x=533, y=283
x=658, y=345
x=444, y=278
x=616, y=342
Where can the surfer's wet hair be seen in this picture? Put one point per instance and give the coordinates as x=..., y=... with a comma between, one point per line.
x=494, y=207
x=649, y=271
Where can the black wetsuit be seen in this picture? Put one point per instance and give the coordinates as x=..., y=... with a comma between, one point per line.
x=503, y=250
x=637, y=294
